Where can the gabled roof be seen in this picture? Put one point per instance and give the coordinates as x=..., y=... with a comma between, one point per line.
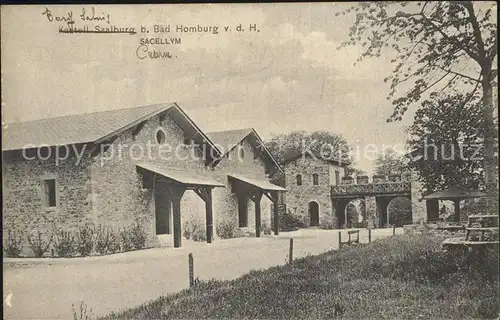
x=260, y=184
x=226, y=141
x=182, y=177
x=454, y=193
x=294, y=155
x=74, y=129
x=93, y=127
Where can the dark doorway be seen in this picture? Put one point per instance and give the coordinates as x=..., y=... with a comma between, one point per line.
x=314, y=213
x=162, y=213
x=243, y=211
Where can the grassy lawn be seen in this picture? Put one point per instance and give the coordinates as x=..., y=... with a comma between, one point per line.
x=400, y=277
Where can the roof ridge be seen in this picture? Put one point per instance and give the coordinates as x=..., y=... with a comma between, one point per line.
x=242, y=129
x=95, y=112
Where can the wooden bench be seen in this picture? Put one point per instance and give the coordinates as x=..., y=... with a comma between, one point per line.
x=473, y=247
x=351, y=232
x=483, y=224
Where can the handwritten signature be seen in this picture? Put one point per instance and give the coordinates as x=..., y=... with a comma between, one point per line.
x=84, y=16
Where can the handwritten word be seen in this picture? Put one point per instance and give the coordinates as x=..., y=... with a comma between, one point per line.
x=143, y=52
x=85, y=17
x=68, y=17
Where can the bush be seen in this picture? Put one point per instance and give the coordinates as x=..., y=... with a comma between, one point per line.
x=266, y=230
x=290, y=222
x=13, y=244
x=327, y=224
x=125, y=240
x=39, y=242
x=195, y=230
x=137, y=235
x=225, y=229
x=113, y=241
x=187, y=231
x=102, y=239
x=199, y=235
x=65, y=244
x=83, y=312
x=85, y=240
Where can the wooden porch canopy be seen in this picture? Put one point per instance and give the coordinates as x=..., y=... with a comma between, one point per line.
x=254, y=189
x=176, y=182
x=455, y=194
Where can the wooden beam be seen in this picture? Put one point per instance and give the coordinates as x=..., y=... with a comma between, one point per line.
x=205, y=193
x=175, y=194
x=256, y=197
x=268, y=195
x=138, y=128
x=274, y=195
x=457, y=210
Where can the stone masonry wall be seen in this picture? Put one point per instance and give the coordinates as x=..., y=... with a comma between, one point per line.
x=118, y=194
x=418, y=206
x=225, y=202
x=23, y=207
x=299, y=197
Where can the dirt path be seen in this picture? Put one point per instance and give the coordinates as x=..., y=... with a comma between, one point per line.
x=46, y=288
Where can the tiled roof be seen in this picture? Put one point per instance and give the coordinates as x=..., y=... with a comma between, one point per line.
x=81, y=128
x=226, y=140
x=454, y=193
x=261, y=184
x=181, y=176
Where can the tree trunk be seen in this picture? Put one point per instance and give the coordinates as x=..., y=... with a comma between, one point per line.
x=490, y=165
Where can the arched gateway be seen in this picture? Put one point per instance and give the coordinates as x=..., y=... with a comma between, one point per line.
x=314, y=213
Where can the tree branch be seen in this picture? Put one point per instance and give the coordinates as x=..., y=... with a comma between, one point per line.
x=475, y=27
x=456, y=73
x=436, y=28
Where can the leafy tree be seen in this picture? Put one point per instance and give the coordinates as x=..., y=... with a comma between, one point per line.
x=390, y=163
x=433, y=43
x=448, y=139
x=321, y=144
x=399, y=211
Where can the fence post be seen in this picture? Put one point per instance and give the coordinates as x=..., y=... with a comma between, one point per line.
x=394, y=230
x=369, y=235
x=340, y=239
x=191, y=270
x=290, y=251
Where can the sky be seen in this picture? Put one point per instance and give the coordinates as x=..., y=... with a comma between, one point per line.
x=290, y=75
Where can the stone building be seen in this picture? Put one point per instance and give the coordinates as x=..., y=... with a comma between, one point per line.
x=308, y=180
x=150, y=164
x=319, y=192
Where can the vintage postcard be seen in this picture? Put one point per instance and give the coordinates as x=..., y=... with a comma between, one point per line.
x=250, y=161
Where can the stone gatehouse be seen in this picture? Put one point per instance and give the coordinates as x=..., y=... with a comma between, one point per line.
x=151, y=164
x=308, y=180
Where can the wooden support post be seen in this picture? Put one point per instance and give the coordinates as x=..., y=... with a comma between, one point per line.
x=290, y=252
x=369, y=235
x=176, y=212
x=191, y=270
x=275, y=212
x=205, y=193
x=256, y=199
x=175, y=194
x=457, y=211
x=209, y=216
x=340, y=239
x=394, y=230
